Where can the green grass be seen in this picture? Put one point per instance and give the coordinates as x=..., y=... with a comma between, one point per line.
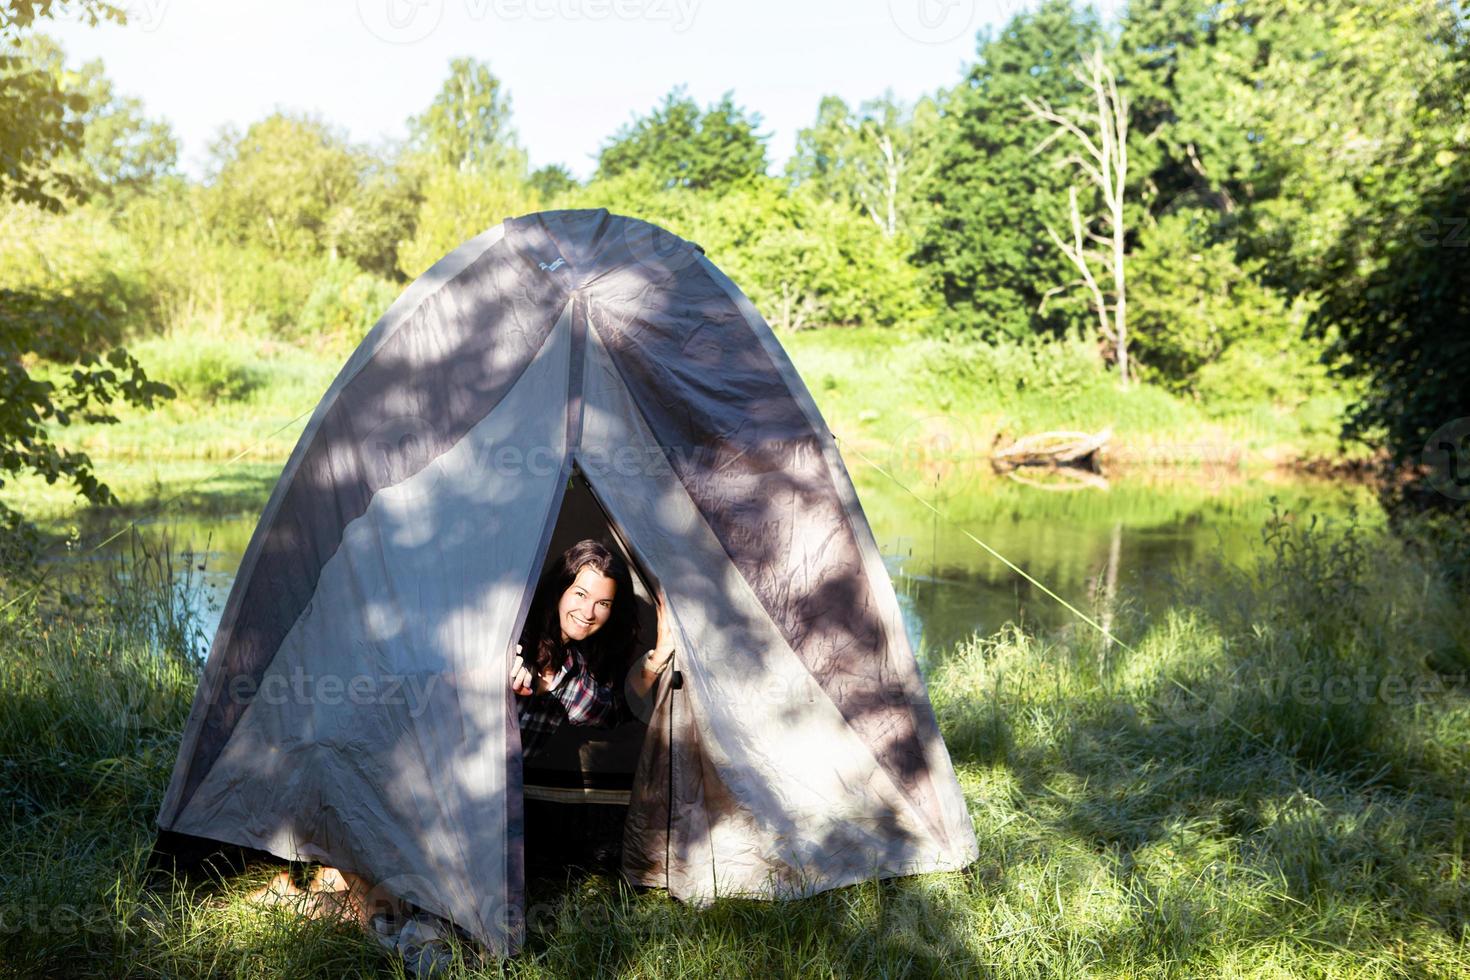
x=920, y=398
x=1201, y=802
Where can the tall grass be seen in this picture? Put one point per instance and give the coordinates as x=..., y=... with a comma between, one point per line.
x=1269, y=778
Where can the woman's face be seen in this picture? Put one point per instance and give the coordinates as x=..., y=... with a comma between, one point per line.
x=586, y=604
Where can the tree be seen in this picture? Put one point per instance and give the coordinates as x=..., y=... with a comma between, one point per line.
x=680, y=146
x=467, y=126
x=1327, y=138
x=1275, y=114
x=1399, y=312
x=39, y=118
x=552, y=181
x=39, y=125
x=1201, y=323
x=877, y=159
x=1393, y=299
x=457, y=205
x=986, y=246
x=378, y=217
x=1102, y=132
x=278, y=183
x=120, y=149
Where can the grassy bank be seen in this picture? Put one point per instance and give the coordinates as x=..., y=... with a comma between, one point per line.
x=907, y=400
x=1269, y=779
x=920, y=396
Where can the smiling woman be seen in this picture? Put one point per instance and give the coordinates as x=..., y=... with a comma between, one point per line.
x=574, y=648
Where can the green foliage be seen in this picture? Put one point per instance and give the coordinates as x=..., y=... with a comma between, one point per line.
x=1284, y=118
x=815, y=263
x=48, y=318
x=552, y=181
x=1400, y=307
x=203, y=369
x=467, y=126
x=1033, y=364
x=121, y=150
x=278, y=184
x=377, y=219
x=986, y=246
x=878, y=159
x=1394, y=304
x=40, y=116
x=343, y=305
x=457, y=205
x=1202, y=323
x=63, y=327
x=682, y=147
x=1322, y=136
x=1289, y=162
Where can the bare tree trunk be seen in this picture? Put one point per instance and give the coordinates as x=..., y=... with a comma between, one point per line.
x=885, y=186
x=1103, y=136
x=892, y=166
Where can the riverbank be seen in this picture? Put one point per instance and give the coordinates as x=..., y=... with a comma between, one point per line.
x=1268, y=779
x=914, y=404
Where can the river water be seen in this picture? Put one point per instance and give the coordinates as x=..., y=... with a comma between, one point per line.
x=1123, y=536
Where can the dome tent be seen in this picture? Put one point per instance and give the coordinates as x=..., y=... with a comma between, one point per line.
x=355, y=708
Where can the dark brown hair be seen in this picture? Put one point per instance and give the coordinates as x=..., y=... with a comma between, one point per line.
x=606, y=651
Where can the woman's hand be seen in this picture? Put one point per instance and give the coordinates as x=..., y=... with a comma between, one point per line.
x=520, y=675
x=663, y=648
x=657, y=660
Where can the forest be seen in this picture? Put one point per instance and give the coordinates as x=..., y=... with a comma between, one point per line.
x=1256, y=210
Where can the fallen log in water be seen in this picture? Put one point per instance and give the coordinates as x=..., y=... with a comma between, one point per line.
x=1060, y=478
x=1078, y=449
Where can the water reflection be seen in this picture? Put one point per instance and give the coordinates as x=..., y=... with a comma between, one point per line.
x=1127, y=538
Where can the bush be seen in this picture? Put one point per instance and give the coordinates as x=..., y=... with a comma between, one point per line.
x=1038, y=363
x=80, y=256
x=456, y=206
x=344, y=303
x=204, y=369
x=1202, y=324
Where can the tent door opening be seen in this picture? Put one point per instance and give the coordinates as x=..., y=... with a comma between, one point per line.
x=578, y=788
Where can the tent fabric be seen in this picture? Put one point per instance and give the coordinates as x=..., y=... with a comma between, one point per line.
x=354, y=708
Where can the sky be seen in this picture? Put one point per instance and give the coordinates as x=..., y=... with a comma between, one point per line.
x=576, y=70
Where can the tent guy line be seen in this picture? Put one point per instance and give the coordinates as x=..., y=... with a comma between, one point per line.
x=1008, y=563
x=1296, y=766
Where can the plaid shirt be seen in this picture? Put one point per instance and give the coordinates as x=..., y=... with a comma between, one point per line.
x=575, y=696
